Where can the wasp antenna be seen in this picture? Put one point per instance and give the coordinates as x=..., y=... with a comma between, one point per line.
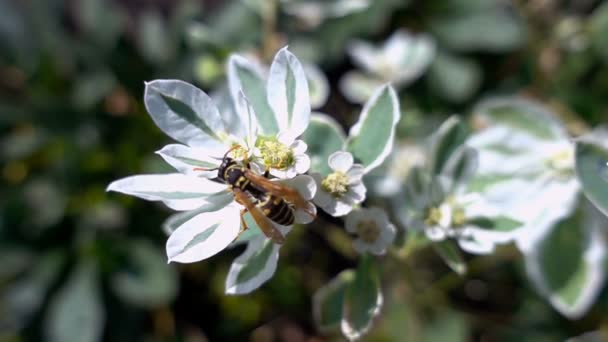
x=204, y=169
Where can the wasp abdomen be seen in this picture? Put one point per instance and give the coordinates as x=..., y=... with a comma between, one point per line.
x=276, y=209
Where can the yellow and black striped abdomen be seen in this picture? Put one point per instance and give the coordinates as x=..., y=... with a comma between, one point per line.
x=276, y=209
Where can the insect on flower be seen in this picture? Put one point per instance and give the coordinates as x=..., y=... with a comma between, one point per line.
x=265, y=200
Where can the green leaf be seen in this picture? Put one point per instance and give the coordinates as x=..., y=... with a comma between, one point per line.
x=598, y=29
x=23, y=297
x=454, y=78
x=461, y=166
x=76, y=312
x=145, y=280
x=153, y=37
x=324, y=136
x=254, y=267
x=592, y=166
x=521, y=115
x=494, y=31
x=449, y=137
x=498, y=223
x=371, y=138
x=452, y=256
x=568, y=266
x=328, y=301
x=362, y=300
x=247, y=77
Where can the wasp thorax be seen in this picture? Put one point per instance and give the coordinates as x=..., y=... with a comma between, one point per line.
x=336, y=184
x=368, y=231
x=275, y=154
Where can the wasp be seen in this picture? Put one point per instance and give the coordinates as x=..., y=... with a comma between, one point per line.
x=265, y=200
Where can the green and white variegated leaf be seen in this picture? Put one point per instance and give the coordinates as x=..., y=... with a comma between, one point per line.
x=328, y=301
x=358, y=87
x=287, y=92
x=76, y=312
x=176, y=190
x=188, y=159
x=592, y=166
x=454, y=78
x=371, y=138
x=249, y=78
x=254, y=267
x=186, y=114
x=176, y=220
x=520, y=115
x=362, y=300
x=203, y=235
x=449, y=137
x=461, y=167
x=452, y=256
x=568, y=266
x=146, y=280
x=23, y=297
x=324, y=136
x=502, y=31
x=318, y=85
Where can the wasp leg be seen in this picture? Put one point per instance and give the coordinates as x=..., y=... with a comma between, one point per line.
x=244, y=225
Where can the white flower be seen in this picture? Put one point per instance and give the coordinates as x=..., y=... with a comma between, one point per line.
x=211, y=218
x=402, y=59
x=404, y=157
x=339, y=191
x=283, y=113
x=373, y=229
x=532, y=161
x=313, y=13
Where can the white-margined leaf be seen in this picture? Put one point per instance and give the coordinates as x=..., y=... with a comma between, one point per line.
x=568, y=266
x=145, y=280
x=460, y=167
x=358, y=87
x=254, y=267
x=176, y=190
x=189, y=160
x=454, y=78
x=371, y=137
x=216, y=203
x=362, y=300
x=249, y=78
x=452, y=256
x=204, y=235
x=185, y=113
x=592, y=166
x=328, y=301
x=23, y=297
x=287, y=92
x=76, y=312
x=522, y=116
x=448, y=138
x=318, y=85
x=324, y=136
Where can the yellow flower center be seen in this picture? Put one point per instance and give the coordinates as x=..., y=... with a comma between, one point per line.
x=368, y=231
x=239, y=153
x=275, y=154
x=448, y=214
x=336, y=184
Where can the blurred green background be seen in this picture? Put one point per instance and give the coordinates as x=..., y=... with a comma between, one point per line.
x=79, y=264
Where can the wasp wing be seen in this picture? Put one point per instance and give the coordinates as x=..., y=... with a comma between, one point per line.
x=265, y=224
x=277, y=189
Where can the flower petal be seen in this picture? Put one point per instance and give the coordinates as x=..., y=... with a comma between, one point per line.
x=204, y=235
x=302, y=163
x=186, y=159
x=304, y=184
x=357, y=192
x=299, y=147
x=355, y=173
x=287, y=92
x=341, y=161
